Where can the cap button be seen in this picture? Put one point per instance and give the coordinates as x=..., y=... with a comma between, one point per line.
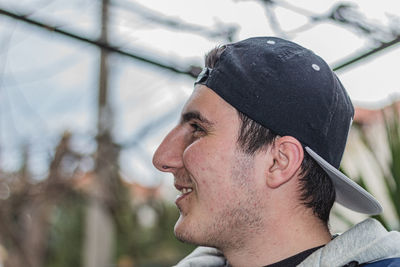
x=315, y=67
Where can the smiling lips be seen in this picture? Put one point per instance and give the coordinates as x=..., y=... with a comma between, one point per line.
x=184, y=191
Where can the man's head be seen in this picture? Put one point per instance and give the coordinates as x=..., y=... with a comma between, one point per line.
x=263, y=133
x=220, y=197
x=316, y=189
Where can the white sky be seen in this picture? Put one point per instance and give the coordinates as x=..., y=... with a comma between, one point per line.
x=49, y=83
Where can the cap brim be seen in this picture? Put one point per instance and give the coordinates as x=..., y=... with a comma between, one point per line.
x=348, y=193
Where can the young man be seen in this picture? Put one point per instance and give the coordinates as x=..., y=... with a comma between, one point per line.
x=256, y=155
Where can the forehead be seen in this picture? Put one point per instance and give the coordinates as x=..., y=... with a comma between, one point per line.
x=208, y=103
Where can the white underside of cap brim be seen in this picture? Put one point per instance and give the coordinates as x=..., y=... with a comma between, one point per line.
x=348, y=193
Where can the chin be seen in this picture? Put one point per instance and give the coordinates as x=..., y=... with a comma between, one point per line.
x=184, y=233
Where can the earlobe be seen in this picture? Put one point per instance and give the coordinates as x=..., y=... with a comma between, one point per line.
x=286, y=157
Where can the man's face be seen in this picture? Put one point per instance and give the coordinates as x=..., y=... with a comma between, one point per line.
x=219, y=200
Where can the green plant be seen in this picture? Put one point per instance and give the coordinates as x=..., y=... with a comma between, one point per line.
x=390, y=169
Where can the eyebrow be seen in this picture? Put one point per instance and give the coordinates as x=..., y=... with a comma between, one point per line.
x=187, y=116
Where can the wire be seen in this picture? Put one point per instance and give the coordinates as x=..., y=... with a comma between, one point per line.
x=189, y=71
x=361, y=56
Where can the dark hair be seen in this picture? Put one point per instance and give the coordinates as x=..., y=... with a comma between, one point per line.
x=316, y=188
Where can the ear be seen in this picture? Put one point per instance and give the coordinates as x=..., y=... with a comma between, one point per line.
x=287, y=155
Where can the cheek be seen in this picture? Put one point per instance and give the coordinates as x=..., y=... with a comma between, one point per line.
x=210, y=165
x=211, y=147
x=194, y=153
x=207, y=156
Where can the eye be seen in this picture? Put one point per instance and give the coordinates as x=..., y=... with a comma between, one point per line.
x=196, y=129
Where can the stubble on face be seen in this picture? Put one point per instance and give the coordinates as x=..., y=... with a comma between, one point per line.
x=237, y=217
x=241, y=216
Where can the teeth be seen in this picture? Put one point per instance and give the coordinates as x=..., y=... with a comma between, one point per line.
x=186, y=190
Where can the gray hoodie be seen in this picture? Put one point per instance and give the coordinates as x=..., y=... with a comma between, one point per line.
x=366, y=242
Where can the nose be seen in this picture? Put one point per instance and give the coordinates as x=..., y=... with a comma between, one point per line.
x=168, y=156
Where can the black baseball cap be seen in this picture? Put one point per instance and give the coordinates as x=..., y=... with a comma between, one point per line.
x=292, y=91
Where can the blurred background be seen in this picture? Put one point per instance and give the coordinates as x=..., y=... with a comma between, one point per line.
x=88, y=89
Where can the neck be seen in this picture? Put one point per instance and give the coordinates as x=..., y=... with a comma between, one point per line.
x=280, y=239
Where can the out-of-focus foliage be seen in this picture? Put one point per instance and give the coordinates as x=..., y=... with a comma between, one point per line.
x=66, y=233
x=389, y=170
x=151, y=244
x=45, y=223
